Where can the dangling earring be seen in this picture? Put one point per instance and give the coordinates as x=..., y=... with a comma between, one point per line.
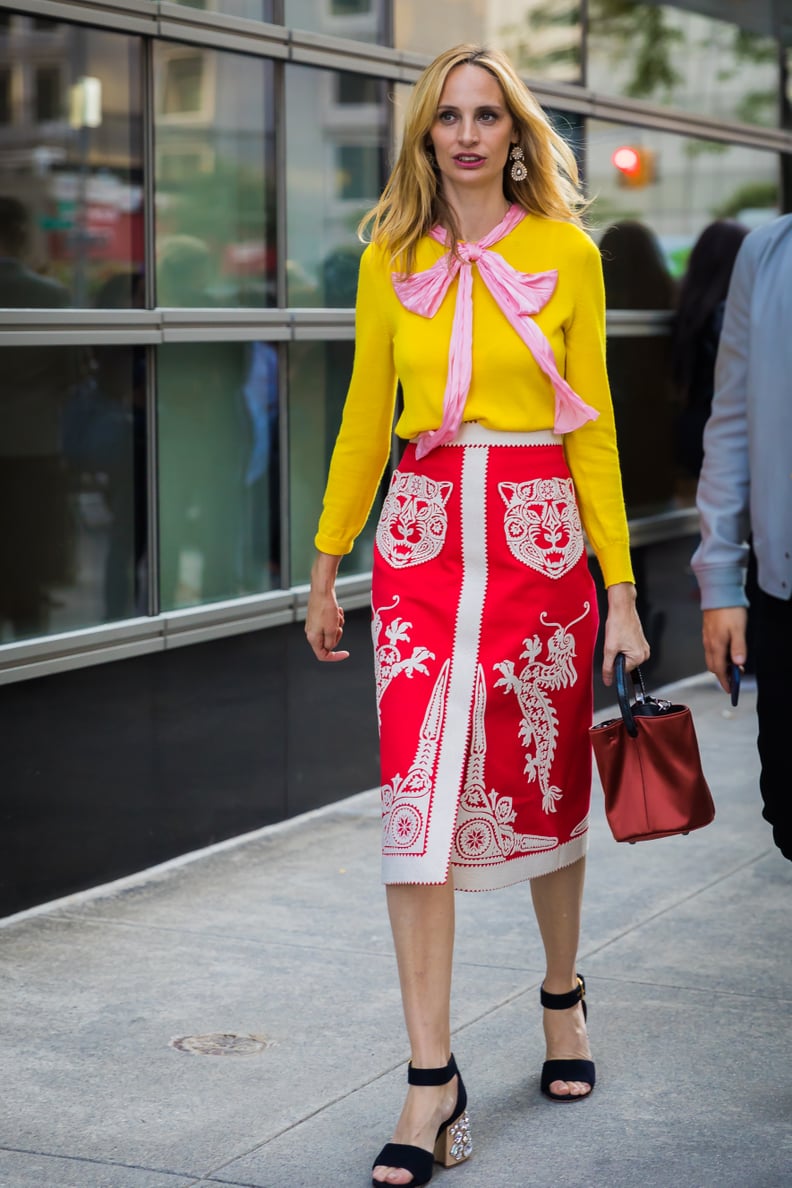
x=430, y=156
x=518, y=170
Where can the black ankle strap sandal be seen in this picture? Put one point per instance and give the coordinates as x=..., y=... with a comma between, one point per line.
x=562, y=1002
x=567, y=1070
x=432, y=1076
x=453, y=1143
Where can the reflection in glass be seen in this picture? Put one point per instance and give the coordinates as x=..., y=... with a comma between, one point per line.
x=666, y=54
x=645, y=232
x=690, y=183
x=70, y=161
x=700, y=310
x=214, y=178
x=319, y=374
x=639, y=368
x=72, y=488
x=542, y=37
x=646, y=227
x=218, y=471
x=360, y=20
x=337, y=136
x=572, y=128
x=253, y=10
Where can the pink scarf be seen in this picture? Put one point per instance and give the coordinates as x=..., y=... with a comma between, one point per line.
x=518, y=295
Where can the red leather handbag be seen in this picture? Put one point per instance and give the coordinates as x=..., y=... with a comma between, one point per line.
x=650, y=766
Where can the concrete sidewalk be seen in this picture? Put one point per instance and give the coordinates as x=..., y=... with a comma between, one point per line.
x=284, y=937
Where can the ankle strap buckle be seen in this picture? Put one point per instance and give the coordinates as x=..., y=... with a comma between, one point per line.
x=562, y=1002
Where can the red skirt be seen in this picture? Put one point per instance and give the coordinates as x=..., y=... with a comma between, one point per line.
x=484, y=621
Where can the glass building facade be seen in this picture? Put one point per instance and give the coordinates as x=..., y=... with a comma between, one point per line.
x=180, y=185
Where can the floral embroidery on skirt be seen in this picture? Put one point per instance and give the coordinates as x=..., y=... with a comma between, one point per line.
x=484, y=620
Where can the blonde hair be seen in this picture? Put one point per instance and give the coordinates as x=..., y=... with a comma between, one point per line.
x=412, y=201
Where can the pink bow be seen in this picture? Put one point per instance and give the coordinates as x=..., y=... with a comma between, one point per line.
x=518, y=295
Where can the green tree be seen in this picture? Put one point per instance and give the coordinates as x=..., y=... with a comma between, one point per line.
x=754, y=195
x=522, y=39
x=645, y=36
x=750, y=49
x=642, y=35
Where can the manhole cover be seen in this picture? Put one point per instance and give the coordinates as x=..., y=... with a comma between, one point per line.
x=221, y=1044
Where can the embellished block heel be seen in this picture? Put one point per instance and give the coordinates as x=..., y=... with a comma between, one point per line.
x=567, y=1070
x=453, y=1143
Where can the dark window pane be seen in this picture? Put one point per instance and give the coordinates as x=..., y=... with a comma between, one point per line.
x=319, y=375
x=357, y=88
x=253, y=10
x=359, y=170
x=360, y=20
x=72, y=488
x=219, y=471
x=181, y=87
x=350, y=7
x=336, y=161
x=71, y=167
x=48, y=97
x=5, y=96
x=214, y=178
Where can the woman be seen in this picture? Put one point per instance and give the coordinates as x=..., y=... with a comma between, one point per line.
x=694, y=349
x=637, y=277
x=484, y=298
x=697, y=329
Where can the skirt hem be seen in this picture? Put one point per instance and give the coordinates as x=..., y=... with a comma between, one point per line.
x=505, y=874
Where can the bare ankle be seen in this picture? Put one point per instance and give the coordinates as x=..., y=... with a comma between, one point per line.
x=559, y=985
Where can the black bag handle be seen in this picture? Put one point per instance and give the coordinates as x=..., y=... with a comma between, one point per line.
x=620, y=668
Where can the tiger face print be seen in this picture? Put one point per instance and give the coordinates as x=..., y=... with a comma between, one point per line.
x=413, y=524
x=542, y=524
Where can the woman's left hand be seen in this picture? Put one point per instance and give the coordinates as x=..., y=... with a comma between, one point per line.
x=623, y=631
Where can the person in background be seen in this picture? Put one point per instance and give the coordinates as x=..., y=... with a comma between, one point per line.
x=637, y=278
x=635, y=270
x=36, y=535
x=694, y=347
x=697, y=329
x=483, y=296
x=745, y=487
x=639, y=370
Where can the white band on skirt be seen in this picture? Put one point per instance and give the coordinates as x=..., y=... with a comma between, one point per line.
x=472, y=433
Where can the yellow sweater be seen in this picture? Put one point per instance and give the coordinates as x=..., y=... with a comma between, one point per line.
x=508, y=391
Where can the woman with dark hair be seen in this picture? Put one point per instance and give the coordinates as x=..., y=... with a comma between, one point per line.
x=637, y=278
x=636, y=274
x=697, y=328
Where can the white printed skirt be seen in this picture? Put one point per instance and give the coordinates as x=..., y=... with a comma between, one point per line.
x=484, y=621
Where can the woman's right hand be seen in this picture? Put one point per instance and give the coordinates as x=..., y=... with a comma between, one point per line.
x=324, y=620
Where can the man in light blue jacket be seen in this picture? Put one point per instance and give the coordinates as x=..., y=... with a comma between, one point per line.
x=745, y=488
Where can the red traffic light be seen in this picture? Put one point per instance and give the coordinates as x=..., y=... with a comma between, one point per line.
x=635, y=165
x=627, y=160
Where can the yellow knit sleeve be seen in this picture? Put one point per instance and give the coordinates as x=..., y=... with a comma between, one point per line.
x=363, y=444
x=591, y=451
